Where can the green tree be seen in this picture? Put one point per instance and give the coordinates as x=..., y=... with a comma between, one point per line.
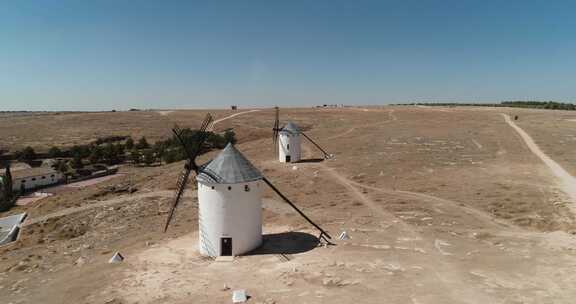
x=97, y=155
x=169, y=156
x=143, y=143
x=120, y=150
x=149, y=158
x=213, y=141
x=129, y=143
x=83, y=151
x=159, y=149
x=7, y=198
x=27, y=154
x=135, y=156
x=61, y=166
x=110, y=154
x=230, y=136
x=77, y=161
x=54, y=152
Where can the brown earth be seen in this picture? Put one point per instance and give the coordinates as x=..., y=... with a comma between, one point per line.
x=69, y=128
x=443, y=205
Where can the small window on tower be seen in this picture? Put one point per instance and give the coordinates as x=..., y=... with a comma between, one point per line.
x=288, y=146
x=212, y=187
x=246, y=188
x=229, y=188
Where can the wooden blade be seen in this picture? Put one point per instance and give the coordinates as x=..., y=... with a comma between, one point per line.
x=181, y=186
x=326, y=155
x=178, y=133
x=192, y=152
x=322, y=231
x=202, y=136
x=276, y=129
x=277, y=122
x=275, y=138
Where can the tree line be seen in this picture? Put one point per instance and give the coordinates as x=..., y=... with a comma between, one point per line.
x=114, y=150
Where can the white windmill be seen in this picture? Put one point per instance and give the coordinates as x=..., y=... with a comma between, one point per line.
x=289, y=144
x=229, y=199
x=288, y=138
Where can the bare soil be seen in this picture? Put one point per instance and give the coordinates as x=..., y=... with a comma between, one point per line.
x=442, y=205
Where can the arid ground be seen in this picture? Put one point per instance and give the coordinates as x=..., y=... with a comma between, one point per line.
x=442, y=205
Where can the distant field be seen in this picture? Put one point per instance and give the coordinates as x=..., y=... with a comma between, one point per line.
x=43, y=130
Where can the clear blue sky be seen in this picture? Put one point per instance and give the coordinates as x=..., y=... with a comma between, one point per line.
x=100, y=55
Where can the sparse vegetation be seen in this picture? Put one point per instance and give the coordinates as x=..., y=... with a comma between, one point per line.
x=143, y=144
x=26, y=155
x=54, y=152
x=170, y=150
x=230, y=136
x=129, y=143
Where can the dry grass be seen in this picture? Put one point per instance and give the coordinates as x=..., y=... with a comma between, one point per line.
x=404, y=178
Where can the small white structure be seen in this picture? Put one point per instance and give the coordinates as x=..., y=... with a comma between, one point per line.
x=116, y=258
x=343, y=236
x=289, y=144
x=230, y=205
x=239, y=296
x=27, y=179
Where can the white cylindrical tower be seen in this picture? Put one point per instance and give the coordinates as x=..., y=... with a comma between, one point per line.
x=230, y=205
x=289, y=144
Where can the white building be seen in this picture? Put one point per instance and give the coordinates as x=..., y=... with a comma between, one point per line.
x=289, y=144
x=28, y=179
x=230, y=205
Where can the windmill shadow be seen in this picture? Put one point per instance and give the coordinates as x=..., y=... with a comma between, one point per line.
x=311, y=160
x=291, y=242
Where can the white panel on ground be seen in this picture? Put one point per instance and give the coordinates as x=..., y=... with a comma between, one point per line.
x=239, y=296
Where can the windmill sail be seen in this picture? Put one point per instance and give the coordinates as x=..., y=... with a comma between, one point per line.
x=180, y=187
x=323, y=234
x=191, y=153
x=326, y=154
x=276, y=129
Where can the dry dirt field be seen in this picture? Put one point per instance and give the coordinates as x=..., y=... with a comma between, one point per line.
x=442, y=205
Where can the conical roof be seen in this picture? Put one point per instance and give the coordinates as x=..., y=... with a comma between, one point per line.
x=291, y=127
x=229, y=167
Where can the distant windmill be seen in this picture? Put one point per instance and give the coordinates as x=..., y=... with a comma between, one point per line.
x=288, y=139
x=229, y=199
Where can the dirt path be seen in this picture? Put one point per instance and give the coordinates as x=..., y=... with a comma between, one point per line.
x=164, y=113
x=211, y=128
x=487, y=219
x=447, y=275
x=567, y=181
x=478, y=145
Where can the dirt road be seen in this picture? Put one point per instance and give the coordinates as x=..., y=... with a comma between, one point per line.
x=567, y=181
x=211, y=128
